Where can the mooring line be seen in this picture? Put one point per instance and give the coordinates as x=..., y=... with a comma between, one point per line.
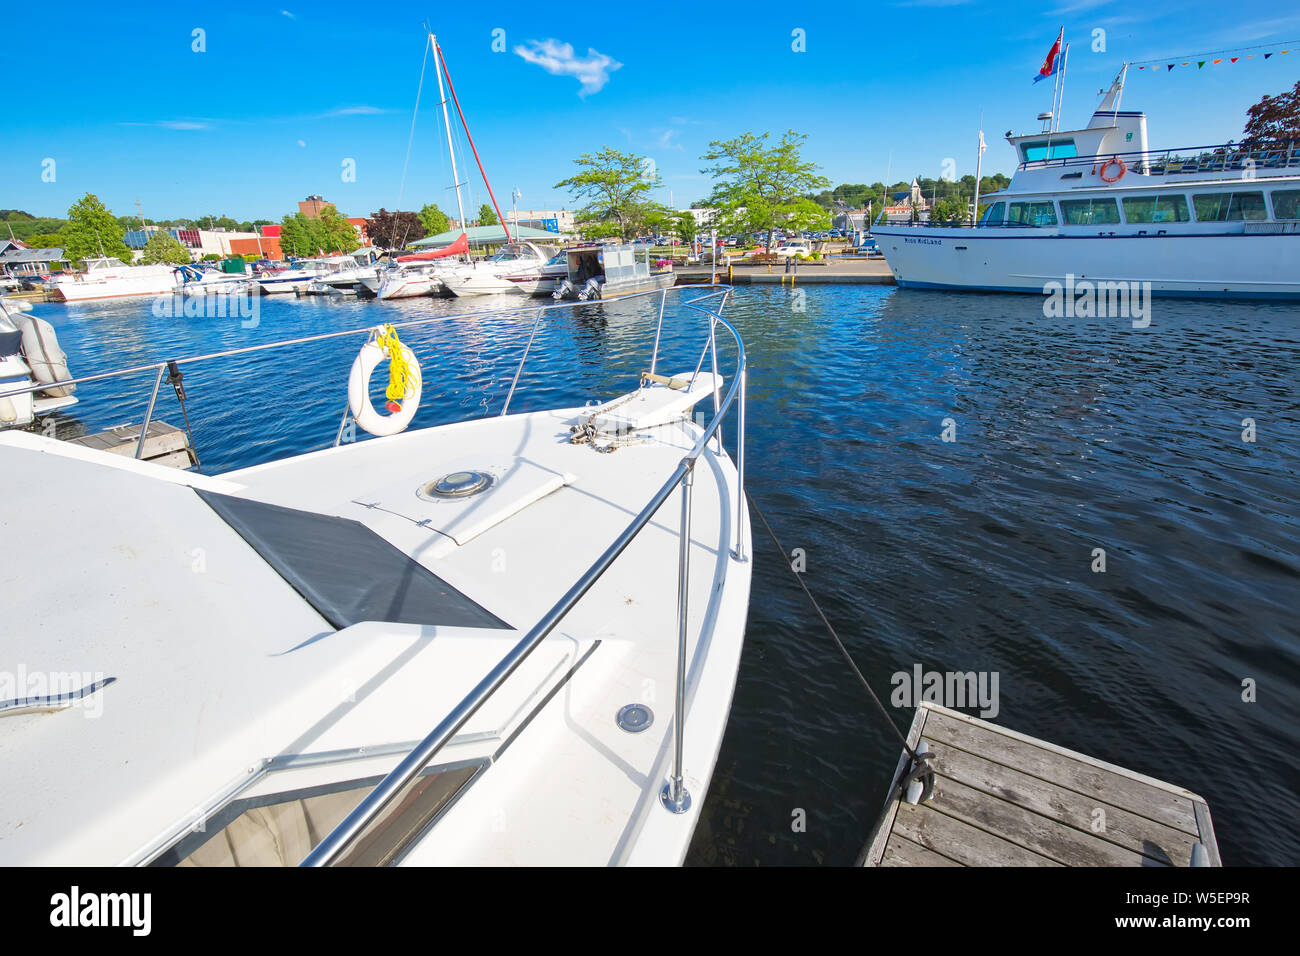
x=848, y=659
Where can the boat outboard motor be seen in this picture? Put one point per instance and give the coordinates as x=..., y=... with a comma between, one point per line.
x=564, y=290
x=591, y=290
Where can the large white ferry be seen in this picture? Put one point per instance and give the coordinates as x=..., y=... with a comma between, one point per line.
x=1098, y=205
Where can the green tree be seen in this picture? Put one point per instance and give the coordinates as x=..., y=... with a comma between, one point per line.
x=298, y=236
x=1275, y=117
x=615, y=187
x=760, y=188
x=337, y=233
x=684, y=226
x=93, y=231
x=164, y=247
x=303, y=236
x=487, y=217
x=48, y=240
x=434, y=219
x=948, y=210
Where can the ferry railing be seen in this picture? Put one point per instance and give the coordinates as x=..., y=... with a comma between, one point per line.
x=673, y=796
x=1256, y=155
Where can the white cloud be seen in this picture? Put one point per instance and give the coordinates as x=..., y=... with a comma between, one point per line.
x=558, y=59
x=301, y=143
x=172, y=124
x=355, y=111
x=286, y=13
x=665, y=140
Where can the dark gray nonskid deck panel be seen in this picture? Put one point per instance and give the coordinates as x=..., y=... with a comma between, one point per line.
x=344, y=570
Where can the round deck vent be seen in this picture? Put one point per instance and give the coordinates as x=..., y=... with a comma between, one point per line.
x=635, y=718
x=458, y=484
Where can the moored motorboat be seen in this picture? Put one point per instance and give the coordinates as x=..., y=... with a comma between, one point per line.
x=30, y=359
x=512, y=640
x=610, y=271
x=108, y=278
x=514, y=268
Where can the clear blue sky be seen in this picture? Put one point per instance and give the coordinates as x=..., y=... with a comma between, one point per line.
x=286, y=91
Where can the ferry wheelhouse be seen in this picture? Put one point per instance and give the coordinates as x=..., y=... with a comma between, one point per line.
x=1097, y=204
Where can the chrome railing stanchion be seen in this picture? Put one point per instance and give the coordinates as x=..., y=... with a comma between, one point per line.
x=520, y=369
x=740, y=466
x=674, y=795
x=654, y=357
x=717, y=388
x=148, y=414
x=343, y=423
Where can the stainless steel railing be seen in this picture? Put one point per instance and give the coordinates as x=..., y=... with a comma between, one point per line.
x=674, y=795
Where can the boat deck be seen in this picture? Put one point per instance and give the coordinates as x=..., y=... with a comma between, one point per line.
x=1006, y=799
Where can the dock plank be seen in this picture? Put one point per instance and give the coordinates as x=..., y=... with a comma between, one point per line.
x=1042, y=835
x=903, y=852
x=1095, y=782
x=1131, y=831
x=1002, y=798
x=961, y=841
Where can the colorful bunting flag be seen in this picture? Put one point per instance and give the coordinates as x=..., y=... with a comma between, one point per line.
x=1050, y=66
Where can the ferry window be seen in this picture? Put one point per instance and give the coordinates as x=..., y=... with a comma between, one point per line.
x=1059, y=149
x=1031, y=214
x=1286, y=204
x=1171, y=208
x=993, y=214
x=1089, y=212
x=1229, y=207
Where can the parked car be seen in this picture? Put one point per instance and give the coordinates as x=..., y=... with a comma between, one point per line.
x=794, y=247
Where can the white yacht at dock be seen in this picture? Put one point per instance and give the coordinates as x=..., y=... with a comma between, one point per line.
x=1098, y=205
x=108, y=278
x=509, y=641
x=514, y=268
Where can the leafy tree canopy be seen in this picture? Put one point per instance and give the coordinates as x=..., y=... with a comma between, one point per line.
x=331, y=233
x=487, y=216
x=760, y=187
x=93, y=231
x=434, y=220
x=615, y=187
x=684, y=226
x=48, y=240
x=163, y=247
x=394, y=230
x=1275, y=117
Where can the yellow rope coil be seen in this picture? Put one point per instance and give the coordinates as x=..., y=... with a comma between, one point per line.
x=402, y=378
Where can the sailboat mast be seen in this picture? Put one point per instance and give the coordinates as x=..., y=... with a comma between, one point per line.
x=446, y=122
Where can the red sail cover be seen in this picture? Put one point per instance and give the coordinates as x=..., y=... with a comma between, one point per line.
x=461, y=245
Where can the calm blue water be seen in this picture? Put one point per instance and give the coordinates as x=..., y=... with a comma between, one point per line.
x=969, y=555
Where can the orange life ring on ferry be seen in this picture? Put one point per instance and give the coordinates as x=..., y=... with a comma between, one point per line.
x=1113, y=161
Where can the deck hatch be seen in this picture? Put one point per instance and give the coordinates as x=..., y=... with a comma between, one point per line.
x=344, y=570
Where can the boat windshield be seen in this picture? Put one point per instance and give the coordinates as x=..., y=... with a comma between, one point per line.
x=510, y=253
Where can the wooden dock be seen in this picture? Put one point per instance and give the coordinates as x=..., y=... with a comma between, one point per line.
x=163, y=445
x=1005, y=799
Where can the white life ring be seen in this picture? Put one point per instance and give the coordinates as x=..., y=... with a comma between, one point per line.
x=359, y=392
